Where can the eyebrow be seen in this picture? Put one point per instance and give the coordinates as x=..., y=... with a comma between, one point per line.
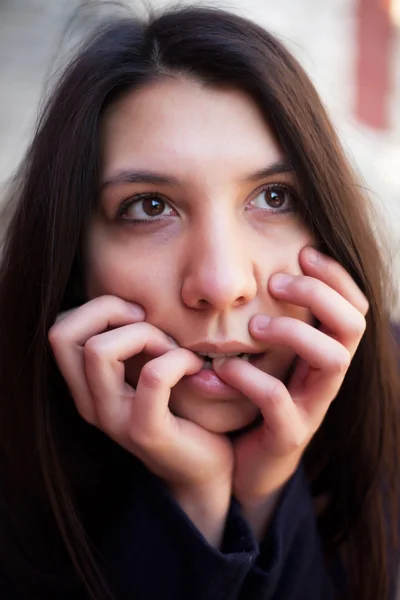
x=276, y=168
x=135, y=176
x=144, y=176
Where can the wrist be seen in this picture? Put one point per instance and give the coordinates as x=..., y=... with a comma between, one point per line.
x=258, y=503
x=258, y=511
x=207, y=506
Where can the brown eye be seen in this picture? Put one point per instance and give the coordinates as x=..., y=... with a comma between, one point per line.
x=275, y=199
x=153, y=206
x=145, y=208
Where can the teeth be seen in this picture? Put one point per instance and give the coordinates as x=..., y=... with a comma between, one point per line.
x=211, y=355
x=207, y=365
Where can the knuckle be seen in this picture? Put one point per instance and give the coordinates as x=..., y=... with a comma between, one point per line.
x=294, y=440
x=56, y=335
x=111, y=304
x=364, y=306
x=92, y=349
x=53, y=336
x=342, y=362
x=359, y=325
x=278, y=391
x=151, y=376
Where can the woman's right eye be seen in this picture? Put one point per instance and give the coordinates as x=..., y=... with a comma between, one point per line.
x=144, y=208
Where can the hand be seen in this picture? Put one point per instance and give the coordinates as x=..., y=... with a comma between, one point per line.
x=90, y=345
x=266, y=457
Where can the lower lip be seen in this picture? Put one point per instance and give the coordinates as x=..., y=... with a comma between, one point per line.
x=208, y=383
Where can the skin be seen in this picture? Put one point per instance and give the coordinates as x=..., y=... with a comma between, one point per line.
x=211, y=269
x=210, y=141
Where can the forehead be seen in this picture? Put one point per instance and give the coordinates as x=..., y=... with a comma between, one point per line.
x=181, y=125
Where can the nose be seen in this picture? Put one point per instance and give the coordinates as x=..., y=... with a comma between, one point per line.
x=220, y=271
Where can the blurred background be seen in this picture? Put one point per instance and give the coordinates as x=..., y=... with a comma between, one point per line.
x=350, y=48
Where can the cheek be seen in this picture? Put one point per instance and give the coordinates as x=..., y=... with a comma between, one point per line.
x=142, y=277
x=296, y=312
x=286, y=250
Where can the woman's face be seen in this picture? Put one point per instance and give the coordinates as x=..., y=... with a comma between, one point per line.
x=195, y=215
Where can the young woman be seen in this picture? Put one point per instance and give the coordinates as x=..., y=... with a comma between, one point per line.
x=198, y=381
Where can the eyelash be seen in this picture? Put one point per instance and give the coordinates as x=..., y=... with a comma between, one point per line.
x=132, y=200
x=121, y=212
x=280, y=186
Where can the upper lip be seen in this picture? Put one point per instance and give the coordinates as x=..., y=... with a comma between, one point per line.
x=224, y=348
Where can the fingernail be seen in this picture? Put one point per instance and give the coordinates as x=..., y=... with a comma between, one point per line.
x=138, y=311
x=173, y=342
x=313, y=255
x=217, y=362
x=261, y=322
x=281, y=280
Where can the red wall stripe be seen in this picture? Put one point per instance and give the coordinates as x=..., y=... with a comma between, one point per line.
x=374, y=32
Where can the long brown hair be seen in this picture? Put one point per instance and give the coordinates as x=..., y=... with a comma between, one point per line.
x=52, y=464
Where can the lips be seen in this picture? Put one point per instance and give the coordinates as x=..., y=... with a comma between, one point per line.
x=251, y=358
x=209, y=384
x=220, y=348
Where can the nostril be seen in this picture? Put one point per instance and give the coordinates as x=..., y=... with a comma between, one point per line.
x=239, y=301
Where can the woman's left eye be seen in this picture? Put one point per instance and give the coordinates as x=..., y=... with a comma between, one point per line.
x=275, y=198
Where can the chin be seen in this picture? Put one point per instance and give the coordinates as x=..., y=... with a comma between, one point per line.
x=223, y=417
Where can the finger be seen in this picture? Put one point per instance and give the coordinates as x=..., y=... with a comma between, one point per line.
x=282, y=417
x=313, y=384
x=68, y=335
x=321, y=366
x=71, y=363
x=318, y=349
x=105, y=370
x=174, y=448
x=340, y=318
x=99, y=314
x=313, y=391
x=329, y=271
x=150, y=413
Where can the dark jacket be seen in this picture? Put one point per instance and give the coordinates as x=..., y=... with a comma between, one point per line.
x=152, y=551
x=156, y=553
